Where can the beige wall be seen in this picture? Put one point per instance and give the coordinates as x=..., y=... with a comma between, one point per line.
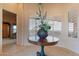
x=0, y=27
x=12, y=7
x=19, y=24
x=24, y=12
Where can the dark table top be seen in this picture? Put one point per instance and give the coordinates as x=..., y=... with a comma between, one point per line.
x=44, y=43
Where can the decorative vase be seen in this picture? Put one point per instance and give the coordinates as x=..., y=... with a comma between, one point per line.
x=42, y=35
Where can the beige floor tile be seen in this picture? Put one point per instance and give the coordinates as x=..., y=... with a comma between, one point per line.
x=16, y=50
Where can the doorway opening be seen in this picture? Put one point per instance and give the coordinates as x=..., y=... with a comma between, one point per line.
x=9, y=28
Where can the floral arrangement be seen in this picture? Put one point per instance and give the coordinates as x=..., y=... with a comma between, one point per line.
x=44, y=27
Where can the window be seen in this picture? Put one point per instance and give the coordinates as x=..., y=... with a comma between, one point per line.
x=14, y=28
x=34, y=24
x=34, y=27
x=57, y=26
x=50, y=22
x=71, y=27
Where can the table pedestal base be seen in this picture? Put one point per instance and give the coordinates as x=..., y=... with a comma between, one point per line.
x=42, y=52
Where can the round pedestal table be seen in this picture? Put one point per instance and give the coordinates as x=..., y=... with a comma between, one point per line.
x=42, y=45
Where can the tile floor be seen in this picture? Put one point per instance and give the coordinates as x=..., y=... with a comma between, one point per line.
x=16, y=50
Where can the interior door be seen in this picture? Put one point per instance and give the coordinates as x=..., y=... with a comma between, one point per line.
x=6, y=31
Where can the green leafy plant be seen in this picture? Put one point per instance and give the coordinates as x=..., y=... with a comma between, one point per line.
x=43, y=16
x=45, y=27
